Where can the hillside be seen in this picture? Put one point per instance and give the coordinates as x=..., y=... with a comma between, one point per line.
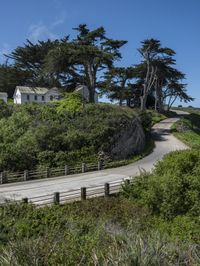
x=68, y=132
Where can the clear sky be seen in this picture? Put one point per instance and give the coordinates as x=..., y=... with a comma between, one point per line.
x=176, y=23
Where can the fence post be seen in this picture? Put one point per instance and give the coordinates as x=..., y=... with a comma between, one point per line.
x=56, y=198
x=127, y=182
x=99, y=165
x=66, y=170
x=47, y=172
x=25, y=200
x=25, y=175
x=83, y=193
x=3, y=177
x=107, y=189
x=83, y=167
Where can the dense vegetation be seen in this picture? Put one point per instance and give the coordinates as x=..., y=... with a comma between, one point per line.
x=154, y=221
x=65, y=132
x=173, y=188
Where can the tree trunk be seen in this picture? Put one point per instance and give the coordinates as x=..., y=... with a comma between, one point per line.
x=148, y=83
x=120, y=102
x=128, y=102
x=143, y=101
x=159, y=96
x=92, y=81
x=91, y=94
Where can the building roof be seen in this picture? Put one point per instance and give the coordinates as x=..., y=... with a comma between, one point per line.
x=34, y=90
x=80, y=87
x=3, y=94
x=83, y=87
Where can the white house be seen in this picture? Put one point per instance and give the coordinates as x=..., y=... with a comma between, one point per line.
x=35, y=94
x=83, y=90
x=4, y=96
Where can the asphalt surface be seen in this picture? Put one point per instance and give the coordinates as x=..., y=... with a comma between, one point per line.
x=165, y=142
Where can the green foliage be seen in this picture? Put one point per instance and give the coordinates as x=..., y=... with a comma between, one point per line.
x=187, y=129
x=173, y=188
x=10, y=77
x=157, y=117
x=146, y=120
x=60, y=133
x=150, y=117
x=72, y=102
x=110, y=231
x=5, y=109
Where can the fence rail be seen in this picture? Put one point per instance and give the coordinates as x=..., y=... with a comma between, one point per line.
x=9, y=177
x=81, y=194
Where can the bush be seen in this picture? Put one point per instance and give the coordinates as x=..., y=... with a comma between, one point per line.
x=99, y=231
x=71, y=103
x=37, y=135
x=173, y=188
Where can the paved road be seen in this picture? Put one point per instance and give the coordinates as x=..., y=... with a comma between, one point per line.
x=164, y=143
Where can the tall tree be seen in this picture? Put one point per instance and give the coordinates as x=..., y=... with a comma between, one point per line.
x=30, y=59
x=10, y=77
x=84, y=58
x=151, y=52
x=116, y=83
x=176, y=90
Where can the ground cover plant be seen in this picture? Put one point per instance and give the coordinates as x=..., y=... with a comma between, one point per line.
x=153, y=221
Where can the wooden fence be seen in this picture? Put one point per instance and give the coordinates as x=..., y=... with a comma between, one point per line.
x=81, y=194
x=9, y=177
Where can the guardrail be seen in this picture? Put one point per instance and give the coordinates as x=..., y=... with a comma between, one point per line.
x=81, y=194
x=9, y=177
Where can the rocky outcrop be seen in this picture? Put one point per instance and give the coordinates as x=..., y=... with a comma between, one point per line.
x=130, y=140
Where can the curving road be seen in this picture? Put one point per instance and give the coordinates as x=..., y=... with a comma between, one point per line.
x=165, y=142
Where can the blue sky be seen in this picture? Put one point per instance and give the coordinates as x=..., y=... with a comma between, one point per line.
x=174, y=22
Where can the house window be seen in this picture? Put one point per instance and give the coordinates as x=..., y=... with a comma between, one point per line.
x=51, y=97
x=28, y=97
x=42, y=98
x=35, y=97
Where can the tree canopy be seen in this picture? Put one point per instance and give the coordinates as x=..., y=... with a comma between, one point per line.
x=90, y=59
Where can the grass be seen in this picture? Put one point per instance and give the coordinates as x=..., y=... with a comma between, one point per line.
x=157, y=117
x=111, y=231
x=187, y=129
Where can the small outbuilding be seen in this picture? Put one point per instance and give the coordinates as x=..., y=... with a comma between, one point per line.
x=83, y=90
x=24, y=94
x=4, y=96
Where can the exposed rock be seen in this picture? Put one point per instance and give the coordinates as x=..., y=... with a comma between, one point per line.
x=129, y=141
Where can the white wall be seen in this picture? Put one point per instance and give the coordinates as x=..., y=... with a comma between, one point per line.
x=22, y=98
x=17, y=97
x=52, y=94
x=32, y=98
x=83, y=90
x=4, y=98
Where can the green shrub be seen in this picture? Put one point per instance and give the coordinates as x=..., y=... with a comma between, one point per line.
x=72, y=103
x=53, y=134
x=173, y=188
x=5, y=109
x=99, y=231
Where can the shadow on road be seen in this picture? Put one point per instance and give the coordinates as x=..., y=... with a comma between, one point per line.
x=160, y=134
